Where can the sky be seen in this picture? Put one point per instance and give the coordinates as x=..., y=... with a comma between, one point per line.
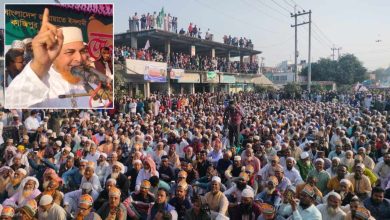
x=353, y=25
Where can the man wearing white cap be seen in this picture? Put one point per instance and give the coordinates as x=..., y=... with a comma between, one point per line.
x=48, y=75
x=216, y=200
x=49, y=210
x=322, y=176
x=247, y=208
x=331, y=209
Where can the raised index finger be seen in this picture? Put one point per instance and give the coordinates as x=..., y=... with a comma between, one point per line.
x=45, y=19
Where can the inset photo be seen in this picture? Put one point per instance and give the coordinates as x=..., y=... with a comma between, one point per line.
x=58, y=56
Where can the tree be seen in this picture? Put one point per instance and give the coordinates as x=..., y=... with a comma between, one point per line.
x=120, y=83
x=350, y=70
x=347, y=70
x=292, y=90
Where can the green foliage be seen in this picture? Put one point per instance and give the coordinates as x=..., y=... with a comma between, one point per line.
x=262, y=89
x=382, y=74
x=292, y=90
x=120, y=87
x=316, y=88
x=347, y=70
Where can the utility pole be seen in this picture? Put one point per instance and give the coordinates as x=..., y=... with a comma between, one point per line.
x=338, y=52
x=333, y=49
x=295, y=16
x=309, y=68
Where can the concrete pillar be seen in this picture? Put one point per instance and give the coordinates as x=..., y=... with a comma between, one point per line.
x=212, y=52
x=241, y=62
x=147, y=89
x=228, y=60
x=192, y=50
x=251, y=59
x=212, y=88
x=130, y=89
x=133, y=42
x=192, y=88
x=167, y=46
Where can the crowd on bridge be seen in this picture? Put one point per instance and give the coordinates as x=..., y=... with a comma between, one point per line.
x=198, y=156
x=238, y=42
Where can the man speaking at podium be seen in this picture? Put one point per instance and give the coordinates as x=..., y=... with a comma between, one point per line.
x=47, y=81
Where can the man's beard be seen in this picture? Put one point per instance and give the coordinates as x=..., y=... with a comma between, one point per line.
x=387, y=162
x=16, y=181
x=26, y=193
x=241, y=186
x=82, y=172
x=332, y=211
x=304, y=206
x=69, y=77
x=246, y=209
x=115, y=175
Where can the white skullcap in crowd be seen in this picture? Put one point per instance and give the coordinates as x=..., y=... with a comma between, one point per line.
x=237, y=158
x=304, y=155
x=46, y=200
x=335, y=194
x=320, y=160
x=336, y=158
x=216, y=179
x=17, y=44
x=346, y=181
x=111, y=180
x=23, y=171
x=248, y=193
x=27, y=41
x=137, y=161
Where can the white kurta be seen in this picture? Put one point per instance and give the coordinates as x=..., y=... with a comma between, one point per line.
x=28, y=90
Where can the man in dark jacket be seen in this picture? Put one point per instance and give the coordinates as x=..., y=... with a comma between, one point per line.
x=104, y=63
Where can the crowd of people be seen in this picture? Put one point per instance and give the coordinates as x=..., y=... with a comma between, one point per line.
x=238, y=42
x=150, y=21
x=197, y=156
x=185, y=61
x=125, y=52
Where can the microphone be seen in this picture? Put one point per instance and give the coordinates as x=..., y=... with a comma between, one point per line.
x=89, y=74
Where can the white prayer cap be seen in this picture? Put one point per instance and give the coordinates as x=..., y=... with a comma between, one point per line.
x=237, y=158
x=112, y=180
x=59, y=143
x=49, y=131
x=46, y=200
x=320, y=160
x=336, y=158
x=346, y=181
x=27, y=41
x=86, y=186
x=23, y=171
x=216, y=179
x=335, y=194
x=137, y=161
x=104, y=155
x=248, y=193
x=304, y=155
x=17, y=44
x=72, y=34
x=361, y=165
x=61, y=134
